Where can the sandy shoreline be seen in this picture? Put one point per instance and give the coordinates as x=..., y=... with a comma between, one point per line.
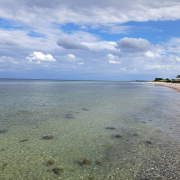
x=171, y=85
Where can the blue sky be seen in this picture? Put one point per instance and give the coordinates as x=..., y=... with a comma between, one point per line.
x=90, y=40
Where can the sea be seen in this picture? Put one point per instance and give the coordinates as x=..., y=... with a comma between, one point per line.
x=88, y=130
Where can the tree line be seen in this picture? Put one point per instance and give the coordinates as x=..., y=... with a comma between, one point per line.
x=168, y=80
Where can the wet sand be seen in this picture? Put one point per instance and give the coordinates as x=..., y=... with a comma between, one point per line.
x=171, y=85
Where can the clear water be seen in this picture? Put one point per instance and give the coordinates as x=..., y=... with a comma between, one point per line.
x=145, y=118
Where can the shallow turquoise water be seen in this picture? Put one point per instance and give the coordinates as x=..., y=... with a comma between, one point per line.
x=77, y=114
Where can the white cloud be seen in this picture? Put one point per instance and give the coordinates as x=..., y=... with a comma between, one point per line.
x=133, y=45
x=39, y=56
x=98, y=46
x=177, y=58
x=5, y=59
x=80, y=63
x=173, y=45
x=174, y=58
x=44, y=12
x=8, y=63
x=151, y=55
x=114, y=62
x=71, y=56
x=112, y=59
x=82, y=36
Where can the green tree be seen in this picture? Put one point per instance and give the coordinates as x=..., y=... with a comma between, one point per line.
x=158, y=79
x=178, y=76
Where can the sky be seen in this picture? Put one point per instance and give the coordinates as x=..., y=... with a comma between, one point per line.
x=113, y=40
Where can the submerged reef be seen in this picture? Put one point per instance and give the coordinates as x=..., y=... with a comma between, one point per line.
x=135, y=134
x=4, y=165
x=57, y=170
x=24, y=140
x=149, y=142
x=47, y=137
x=112, y=128
x=69, y=116
x=117, y=136
x=85, y=161
x=50, y=163
x=98, y=163
x=3, y=131
x=85, y=109
x=91, y=178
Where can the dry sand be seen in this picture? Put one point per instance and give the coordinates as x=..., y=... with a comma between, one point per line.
x=171, y=85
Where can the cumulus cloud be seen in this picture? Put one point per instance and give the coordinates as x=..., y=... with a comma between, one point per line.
x=133, y=45
x=112, y=59
x=71, y=56
x=114, y=62
x=71, y=43
x=151, y=55
x=39, y=56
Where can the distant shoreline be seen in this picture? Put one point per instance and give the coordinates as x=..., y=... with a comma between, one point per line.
x=171, y=85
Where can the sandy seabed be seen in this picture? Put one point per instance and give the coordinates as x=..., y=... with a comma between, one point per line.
x=171, y=85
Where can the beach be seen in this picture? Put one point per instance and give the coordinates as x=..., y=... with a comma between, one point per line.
x=171, y=85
